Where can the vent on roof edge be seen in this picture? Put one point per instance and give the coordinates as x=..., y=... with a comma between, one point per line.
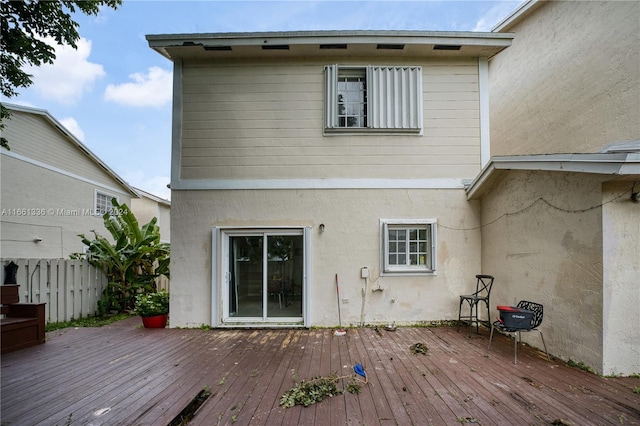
x=190, y=43
x=217, y=48
x=390, y=46
x=275, y=47
x=333, y=46
x=446, y=47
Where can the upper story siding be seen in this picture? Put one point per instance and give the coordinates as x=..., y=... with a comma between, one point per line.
x=249, y=108
x=257, y=120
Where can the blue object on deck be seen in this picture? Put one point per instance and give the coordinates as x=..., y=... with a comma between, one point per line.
x=359, y=369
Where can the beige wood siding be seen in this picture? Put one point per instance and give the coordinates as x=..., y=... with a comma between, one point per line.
x=33, y=136
x=263, y=120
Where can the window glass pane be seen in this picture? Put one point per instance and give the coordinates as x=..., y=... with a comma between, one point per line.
x=409, y=246
x=351, y=98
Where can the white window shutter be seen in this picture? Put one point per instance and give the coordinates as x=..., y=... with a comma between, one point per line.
x=331, y=96
x=394, y=97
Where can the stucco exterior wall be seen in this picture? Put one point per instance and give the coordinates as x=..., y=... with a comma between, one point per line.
x=38, y=203
x=264, y=120
x=351, y=240
x=542, y=240
x=621, y=292
x=570, y=82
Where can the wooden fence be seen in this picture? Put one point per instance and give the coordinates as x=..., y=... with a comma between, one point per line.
x=70, y=288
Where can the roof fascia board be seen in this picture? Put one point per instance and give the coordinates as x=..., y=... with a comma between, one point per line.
x=55, y=123
x=522, y=11
x=316, y=37
x=144, y=194
x=159, y=42
x=608, y=164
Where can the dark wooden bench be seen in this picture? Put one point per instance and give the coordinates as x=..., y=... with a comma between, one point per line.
x=22, y=324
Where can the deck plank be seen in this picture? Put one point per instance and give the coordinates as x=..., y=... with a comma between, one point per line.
x=127, y=375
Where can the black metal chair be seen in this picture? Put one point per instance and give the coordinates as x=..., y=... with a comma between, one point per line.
x=482, y=293
x=526, y=316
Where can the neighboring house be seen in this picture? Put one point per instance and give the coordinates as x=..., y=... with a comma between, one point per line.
x=302, y=157
x=52, y=189
x=148, y=206
x=560, y=203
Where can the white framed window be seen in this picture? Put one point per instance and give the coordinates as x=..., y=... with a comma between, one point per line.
x=408, y=246
x=103, y=203
x=373, y=98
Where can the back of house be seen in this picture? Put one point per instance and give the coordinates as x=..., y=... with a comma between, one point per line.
x=306, y=162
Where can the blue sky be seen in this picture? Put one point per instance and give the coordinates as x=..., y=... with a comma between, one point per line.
x=114, y=92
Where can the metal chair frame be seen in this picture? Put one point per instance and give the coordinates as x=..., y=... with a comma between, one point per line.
x=484, y=283
x=538, y=311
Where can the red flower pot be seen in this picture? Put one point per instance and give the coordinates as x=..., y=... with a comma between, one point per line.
x=156, y=321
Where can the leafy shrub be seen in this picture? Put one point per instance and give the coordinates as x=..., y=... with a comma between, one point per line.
x=151, y=304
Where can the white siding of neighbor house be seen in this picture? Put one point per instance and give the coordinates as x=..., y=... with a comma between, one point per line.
x=569, y=83
x=146, y=209
x=351, y=240
x=264, y=120
x=33, y=136
x=65, y=202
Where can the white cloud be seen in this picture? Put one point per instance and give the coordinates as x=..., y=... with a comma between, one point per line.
x=494, y=15
x=147, y=90
x=72, y=125
x=70, y=76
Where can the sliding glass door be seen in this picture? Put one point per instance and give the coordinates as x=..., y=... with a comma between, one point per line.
x=265, y=276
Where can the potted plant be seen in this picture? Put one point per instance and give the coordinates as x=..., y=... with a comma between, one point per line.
x=153, y=308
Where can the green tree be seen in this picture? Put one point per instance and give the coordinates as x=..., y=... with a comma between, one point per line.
x=132, y=262
x=24, y=26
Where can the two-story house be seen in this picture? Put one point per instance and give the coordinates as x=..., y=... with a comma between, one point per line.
x=309, y=162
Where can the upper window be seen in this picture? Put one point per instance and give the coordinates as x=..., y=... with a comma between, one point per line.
x=103, y=203
x=409, y=246
x=352, y=98
x=373, y=98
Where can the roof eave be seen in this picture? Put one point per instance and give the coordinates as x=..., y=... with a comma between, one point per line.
x=605, y=164
x=162, y=42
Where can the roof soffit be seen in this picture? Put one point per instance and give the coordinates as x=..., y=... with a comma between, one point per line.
x=314, y=43
x=615, y=164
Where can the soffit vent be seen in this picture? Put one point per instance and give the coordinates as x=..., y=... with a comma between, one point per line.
x=390, y=46
x=275, y=47
x=333, y=46
x=218, y=48
x=446, y=47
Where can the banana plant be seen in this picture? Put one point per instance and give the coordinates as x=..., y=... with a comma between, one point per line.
x=131, y=260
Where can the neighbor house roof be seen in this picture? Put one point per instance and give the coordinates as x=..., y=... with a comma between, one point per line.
x=329, y=43
x=73, y=140
x=619, y=159
x=145, y=194
x=523, y=10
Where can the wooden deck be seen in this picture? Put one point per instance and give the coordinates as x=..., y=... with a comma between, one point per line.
x=126, y=375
